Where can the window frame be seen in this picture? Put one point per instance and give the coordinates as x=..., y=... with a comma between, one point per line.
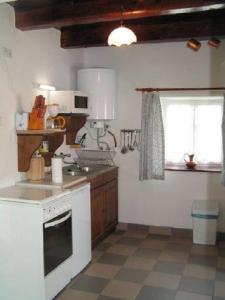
x=198, y=100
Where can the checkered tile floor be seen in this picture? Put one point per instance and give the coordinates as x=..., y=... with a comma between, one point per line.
x=142, y=266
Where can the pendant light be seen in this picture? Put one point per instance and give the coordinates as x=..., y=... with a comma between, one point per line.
x=121, y=35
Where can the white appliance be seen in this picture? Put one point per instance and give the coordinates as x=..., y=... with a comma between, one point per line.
x=100, y=86
x=75, y=102
x=81, y=228
x=35, y=223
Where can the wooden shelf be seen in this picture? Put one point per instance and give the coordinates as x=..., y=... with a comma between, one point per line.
x=40, y=132
x=74, y=122
x=30, y=141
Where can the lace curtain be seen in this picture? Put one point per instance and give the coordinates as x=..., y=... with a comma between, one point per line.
x=152, y=154
x=223, y=142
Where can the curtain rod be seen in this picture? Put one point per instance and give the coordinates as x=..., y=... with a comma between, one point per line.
x=179, y=89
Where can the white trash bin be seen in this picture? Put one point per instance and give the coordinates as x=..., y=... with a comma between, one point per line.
x=204, y=216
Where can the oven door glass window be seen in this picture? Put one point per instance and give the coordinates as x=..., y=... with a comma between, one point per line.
x=57, y=241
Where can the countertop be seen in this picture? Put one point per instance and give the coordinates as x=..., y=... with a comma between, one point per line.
x=43, y=191
x=68, y=180
x=32, y=195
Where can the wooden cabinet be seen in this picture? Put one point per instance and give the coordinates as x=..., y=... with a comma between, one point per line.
x=104, y=205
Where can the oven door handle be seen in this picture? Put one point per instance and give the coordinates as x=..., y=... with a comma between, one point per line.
x=54, y=223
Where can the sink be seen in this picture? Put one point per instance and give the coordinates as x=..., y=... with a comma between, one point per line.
x=75, y=173
x=82, y=171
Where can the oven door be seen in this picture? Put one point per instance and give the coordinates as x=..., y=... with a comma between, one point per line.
x=57, y=241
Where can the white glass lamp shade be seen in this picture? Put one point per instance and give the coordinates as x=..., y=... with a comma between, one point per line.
x=121, y=36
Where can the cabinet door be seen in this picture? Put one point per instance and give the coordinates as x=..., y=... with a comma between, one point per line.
x=97, y=211
x=111, y=203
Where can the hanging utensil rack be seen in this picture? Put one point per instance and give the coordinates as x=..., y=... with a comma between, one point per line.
x=129, y=140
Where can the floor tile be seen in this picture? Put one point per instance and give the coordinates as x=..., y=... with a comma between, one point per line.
x=119, y=232
x=96, y=254
x=137, y=235
x=220, y=275
x=199, y=271
x=122, y=289
x=153, y=244
x=159, y=237
x=138, y=228
x=160, y=230
x=169, y=267
x=204, y=250
x=181, y=241
x=221, y=252
x=178, y=247
x=203, y=260
x=122, y=249
x=70, y=294
x=163, y=280
x=113, y=259
x=131, y=241
x=221, y=244
x=132, y=275
x=90, y=284
x=102, y=297
x=102, y=270
x=103, y=246
x=147, y=253
x=142, y=263
x=182, y=233
x=112, y=238
x=221, y=263
x=190, y=296
x=196, y=285
x=220, y=289
x=153, y=293
x=137, y=265
x=169, y=255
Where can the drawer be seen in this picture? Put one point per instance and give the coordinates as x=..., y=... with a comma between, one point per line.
x=111, y=175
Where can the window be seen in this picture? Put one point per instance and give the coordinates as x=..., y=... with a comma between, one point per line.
x=193, y=125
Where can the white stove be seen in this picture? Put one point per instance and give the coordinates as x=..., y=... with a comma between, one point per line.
x=35, y=224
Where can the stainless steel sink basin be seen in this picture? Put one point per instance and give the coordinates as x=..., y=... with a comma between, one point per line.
x=75, y=173
x=82, y=171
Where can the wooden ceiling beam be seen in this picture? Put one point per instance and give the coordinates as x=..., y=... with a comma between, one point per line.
x=146, y=31
x=68, y=13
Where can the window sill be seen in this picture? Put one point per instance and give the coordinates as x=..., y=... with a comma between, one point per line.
x=198, y=168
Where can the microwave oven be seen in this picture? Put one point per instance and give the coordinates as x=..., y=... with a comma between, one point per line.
x=71, y=102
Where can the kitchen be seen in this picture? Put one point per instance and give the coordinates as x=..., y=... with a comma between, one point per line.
x=38, y=58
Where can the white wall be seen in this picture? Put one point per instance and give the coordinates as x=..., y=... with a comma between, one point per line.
x=36, y=57
x=161, y=203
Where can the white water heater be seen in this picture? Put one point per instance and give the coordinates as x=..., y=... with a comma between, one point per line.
x=100, y=86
